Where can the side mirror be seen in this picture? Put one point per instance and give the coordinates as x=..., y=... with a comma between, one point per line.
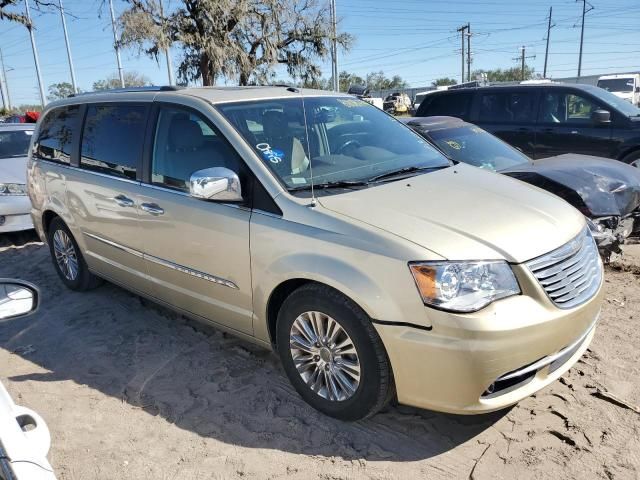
x=217, y=183
x=17, y=298
x=637, y=89
x=600, y=116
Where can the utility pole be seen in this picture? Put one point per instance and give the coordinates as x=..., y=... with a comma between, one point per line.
x=6, y=83
x=462, y=30
x=167, y=53
x=522, y=58
x=334, y=48
x=546, y=52
x=43, y=99
x=584, y=12
x=468, y=52
x=115, y=43
x=66, y=41
x=4, y=102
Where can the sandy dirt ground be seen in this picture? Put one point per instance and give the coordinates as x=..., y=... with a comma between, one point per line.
x=132, y=391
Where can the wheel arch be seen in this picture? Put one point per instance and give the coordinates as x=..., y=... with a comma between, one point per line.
x=346, y=279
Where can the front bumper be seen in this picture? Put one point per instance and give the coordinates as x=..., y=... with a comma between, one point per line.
x=455, y=366
x=15, y=213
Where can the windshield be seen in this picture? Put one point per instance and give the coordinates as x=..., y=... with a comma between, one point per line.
x=472, y=145
x=345, y=140
x=14, y=143
x=624, y=107
x=617, y=84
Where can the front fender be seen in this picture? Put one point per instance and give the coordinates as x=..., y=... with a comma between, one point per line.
x=380, y=284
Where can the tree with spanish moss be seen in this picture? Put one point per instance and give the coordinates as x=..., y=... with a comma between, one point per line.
x=241, y=40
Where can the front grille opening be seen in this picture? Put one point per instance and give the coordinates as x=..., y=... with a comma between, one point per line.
x=571, y=274
x=500, y=387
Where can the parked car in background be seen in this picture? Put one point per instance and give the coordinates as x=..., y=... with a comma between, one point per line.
x=606, y=191
x=397, y=102
x=24, y=436
x=362, y=92
x=548, y=119
x=315, y=224
x=625, y=86
x=14, y=203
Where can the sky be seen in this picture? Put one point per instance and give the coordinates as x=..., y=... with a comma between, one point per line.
x=415, y=39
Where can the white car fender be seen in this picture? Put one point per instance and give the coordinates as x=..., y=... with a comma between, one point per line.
x=24, y=441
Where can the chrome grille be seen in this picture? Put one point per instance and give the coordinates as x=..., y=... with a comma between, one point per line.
x=570, y=274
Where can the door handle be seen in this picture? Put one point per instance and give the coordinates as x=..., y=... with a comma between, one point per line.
x=548, y=130
x=152, y=208
x=574, y=132
x=523, y=129
x=123, y=201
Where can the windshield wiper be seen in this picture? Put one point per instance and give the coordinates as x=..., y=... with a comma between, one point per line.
x=334, y=184
x=403, y=171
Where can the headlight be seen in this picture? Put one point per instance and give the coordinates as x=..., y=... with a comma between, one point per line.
x=463, y=286
x=13, y=189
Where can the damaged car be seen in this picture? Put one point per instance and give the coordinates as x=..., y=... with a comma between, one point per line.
x=606, y=191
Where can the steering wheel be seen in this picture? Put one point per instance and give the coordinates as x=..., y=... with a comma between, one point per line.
x=348, y=145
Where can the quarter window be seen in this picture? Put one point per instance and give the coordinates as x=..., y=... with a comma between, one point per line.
x=506, y=107
x=564, y=107
x=56, y=134
x=185, y=143
x=112, y=139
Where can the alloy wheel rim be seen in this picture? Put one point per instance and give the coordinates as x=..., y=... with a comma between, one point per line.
x=65, y=253
x=325, y=356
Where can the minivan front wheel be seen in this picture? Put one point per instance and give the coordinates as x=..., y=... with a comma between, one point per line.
x=332, y=354
x=67, y=258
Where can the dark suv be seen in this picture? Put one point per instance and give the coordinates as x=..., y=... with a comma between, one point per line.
x=547, y=119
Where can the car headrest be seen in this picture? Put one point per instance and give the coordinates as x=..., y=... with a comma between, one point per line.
x=185, y=134
x=275, y=125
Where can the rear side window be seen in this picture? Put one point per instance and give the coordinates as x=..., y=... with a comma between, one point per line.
x=57, y=134
x=450, y=104
x=506, y=107
x=112, y=139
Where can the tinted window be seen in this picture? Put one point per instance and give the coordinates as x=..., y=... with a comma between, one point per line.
x=565, y=107
x=57, y=133
x=112, y=139
x=14, y=143
x=506, y=107
x=185, y=143
x=452, y=104
x=617, y=84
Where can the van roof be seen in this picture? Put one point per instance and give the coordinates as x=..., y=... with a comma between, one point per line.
x=214, y=94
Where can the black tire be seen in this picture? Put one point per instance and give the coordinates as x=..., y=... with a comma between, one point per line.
x=84, y=279
x=632, y=159
x=375, y=388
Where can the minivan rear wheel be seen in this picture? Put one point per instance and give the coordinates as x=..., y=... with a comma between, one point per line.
x=332, y=354
x=67, y=258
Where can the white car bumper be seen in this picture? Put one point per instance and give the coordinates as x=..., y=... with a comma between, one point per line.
x=15, y=213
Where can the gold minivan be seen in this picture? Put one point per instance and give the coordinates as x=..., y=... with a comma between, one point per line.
x=315, y=224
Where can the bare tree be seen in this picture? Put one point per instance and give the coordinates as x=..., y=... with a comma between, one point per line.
x=13, y=15
x=235, y=39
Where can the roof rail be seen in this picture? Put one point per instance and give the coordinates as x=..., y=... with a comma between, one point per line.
x=152, y=88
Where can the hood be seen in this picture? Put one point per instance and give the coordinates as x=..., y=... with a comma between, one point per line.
x=13, y=170
x=596, y=186
x=465, y=213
